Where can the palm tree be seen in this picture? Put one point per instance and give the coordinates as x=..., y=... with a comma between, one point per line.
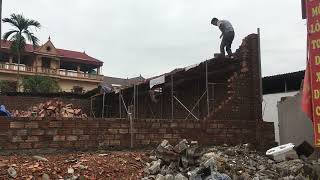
x=20, y=33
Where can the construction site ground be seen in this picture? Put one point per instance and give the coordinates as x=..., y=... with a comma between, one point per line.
x=86, y=165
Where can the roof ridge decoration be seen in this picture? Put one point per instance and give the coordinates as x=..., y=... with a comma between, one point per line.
x=48, y=48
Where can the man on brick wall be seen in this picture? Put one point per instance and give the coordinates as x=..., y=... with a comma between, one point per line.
x=227, y=35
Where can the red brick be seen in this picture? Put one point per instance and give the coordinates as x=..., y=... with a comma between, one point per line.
x=37, y=132
x=72, y=138
x=172, y=125
x=4, y=124
x=59, y=138
x=167, y=136
x=17, y=139
x=54, y=145
x=109, y=137
x=113, y=131
x=190, y=125
x=145, y=142
x=67, y=144
x=69, y=124
x=93, y=124
x=32, y=139
x=125, y=126
x=32, y=125
x=77, y=132
x=52, y=132
x=16, y=125
x=115, y=142
x=162, y=131
x=140, y=136
x=155, y=125
x=115, y=125
x=55, y=124
x=65, y=131
x=123, y=131
x=22, y=132
x=39, y=145
x=84, y=137
x=25, y=145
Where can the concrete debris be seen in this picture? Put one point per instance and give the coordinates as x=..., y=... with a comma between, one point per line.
x=155, y=167
x=169, y=177
x=39, y=158
x=240, y=162
x=45, y=177
x=70, y=170
x=183, y=145
x=179, y=176
x=51, y=109
x=283, y=152
x=12, y=172
x=160, y=177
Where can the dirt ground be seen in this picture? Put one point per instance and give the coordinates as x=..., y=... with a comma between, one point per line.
x=91, y=166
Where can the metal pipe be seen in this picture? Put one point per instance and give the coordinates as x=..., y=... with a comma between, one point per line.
x=171, y=96
x=196, y=104
x=185, y=107
x=137, y=110
x=134, y=101
x=259, y=66
x=120, y=104
x=91, y=107
x=103, y=101
x=207, y=87
x=131, y=130
x=125, y=106
x=213, y=97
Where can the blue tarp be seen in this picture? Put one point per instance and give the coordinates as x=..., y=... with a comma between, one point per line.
x=4, y=112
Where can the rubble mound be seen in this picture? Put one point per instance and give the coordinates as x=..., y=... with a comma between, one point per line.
x=51, y=109
x=189, y=161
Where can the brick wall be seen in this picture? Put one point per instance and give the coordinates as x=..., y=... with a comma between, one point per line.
x=61, y=134
x=26, y=102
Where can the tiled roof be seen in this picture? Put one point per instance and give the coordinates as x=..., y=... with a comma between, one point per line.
x=61, y=53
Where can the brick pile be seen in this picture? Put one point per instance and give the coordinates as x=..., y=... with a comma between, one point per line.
x=51, y=109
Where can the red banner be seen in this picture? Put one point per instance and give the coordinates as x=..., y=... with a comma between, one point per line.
x=306, y=100
x=313, y=18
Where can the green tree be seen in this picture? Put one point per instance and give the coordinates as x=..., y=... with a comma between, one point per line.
x=7, y=86
x=40, y=84
x=21, y=32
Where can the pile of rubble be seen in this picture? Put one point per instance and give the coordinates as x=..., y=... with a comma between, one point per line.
x=188, y=161
x=51, y=109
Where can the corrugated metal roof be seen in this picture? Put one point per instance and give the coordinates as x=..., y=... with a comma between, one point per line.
x=286, y=75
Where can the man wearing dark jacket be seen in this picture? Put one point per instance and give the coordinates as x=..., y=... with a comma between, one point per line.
x=227, y=35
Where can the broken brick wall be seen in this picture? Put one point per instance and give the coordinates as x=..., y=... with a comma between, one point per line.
x=234, y=91
x=26, y=102
x=20, y=134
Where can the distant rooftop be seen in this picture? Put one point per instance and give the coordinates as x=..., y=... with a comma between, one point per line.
x=63, y=53
x=114, y=81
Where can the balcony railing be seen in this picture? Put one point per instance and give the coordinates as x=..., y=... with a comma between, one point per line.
x=48, y=71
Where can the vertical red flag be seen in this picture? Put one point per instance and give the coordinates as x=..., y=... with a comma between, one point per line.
x=306, y=101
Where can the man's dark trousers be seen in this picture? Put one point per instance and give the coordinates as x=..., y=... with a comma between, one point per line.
x=226, y=43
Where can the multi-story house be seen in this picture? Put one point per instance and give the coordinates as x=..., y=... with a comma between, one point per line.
x=74, y=71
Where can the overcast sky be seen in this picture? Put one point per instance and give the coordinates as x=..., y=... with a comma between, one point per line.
x=151, y=37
